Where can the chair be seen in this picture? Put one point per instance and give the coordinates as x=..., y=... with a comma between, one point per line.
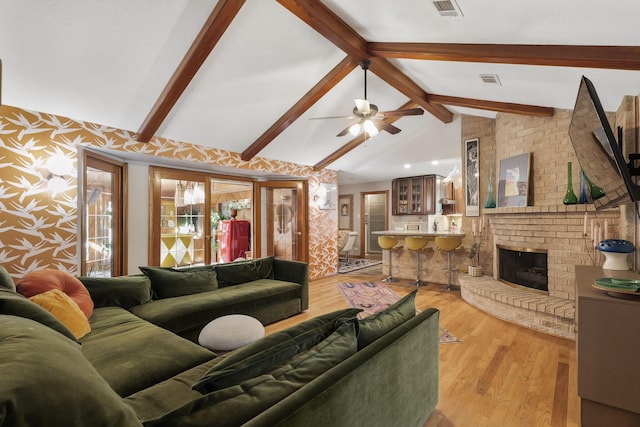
x=449, y=245
x=417, y=244
x=348, y=242
x=388, y=243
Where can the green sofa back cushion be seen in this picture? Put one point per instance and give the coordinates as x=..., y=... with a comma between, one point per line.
x=170, y=282
x=15, y=304
x=271, y=351
x=5, y=280
x=236, y=405
x=235, y=273
x=121, y=291
x=46, y=381
x=376, y=325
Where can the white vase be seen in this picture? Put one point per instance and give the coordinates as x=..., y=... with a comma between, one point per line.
x=475, y=271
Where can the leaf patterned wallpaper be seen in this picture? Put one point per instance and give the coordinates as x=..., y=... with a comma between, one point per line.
x=39, y=216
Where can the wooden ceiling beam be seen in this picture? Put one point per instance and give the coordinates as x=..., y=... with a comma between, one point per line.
x=331, y=26
x=503, y=107
x=390, y=74
x=324, y=21
x=327, y=83
x=357, y=141
x=215, y=26
x=611, y=57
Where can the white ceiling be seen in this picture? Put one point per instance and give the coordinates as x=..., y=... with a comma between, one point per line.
x=108, y=62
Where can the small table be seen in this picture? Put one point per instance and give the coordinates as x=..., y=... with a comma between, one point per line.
x=229, y=332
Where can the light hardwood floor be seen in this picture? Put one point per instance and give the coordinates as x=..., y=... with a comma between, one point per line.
x=500, y=374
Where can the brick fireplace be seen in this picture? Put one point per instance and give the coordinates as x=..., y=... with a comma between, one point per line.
x=556, y=230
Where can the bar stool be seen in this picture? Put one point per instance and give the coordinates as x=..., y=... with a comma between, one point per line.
x=449, y=244
x=417, y=244
x=388, y=243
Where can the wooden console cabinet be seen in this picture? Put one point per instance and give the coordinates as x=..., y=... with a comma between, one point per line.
x=608, y=351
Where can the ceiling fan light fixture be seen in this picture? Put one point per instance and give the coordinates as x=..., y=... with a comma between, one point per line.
x=370, y=128
x=355, y=129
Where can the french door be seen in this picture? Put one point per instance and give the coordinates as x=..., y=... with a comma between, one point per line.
x=103, y=228
x=281, y=218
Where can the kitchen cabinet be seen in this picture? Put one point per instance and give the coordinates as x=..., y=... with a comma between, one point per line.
x=417, y=195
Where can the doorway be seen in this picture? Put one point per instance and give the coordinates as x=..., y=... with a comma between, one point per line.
x=375, y=217
x=282, y=220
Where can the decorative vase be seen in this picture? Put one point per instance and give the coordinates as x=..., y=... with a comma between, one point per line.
x=474, y=271
x=569, y=197
x=595, y=191
x=490, y=202
x=583, y=189
x=233, y=213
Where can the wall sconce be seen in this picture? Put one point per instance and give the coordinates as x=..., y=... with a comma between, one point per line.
x=326, y=197
x=58, y=166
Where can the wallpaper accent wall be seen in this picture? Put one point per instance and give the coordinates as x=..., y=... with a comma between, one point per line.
x=38, y=210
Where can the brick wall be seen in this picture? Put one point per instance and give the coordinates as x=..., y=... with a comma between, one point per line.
x=546, y=223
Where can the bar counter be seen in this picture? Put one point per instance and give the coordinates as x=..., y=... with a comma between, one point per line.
x=432, y=261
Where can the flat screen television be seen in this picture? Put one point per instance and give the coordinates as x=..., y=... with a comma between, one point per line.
x=598, y=153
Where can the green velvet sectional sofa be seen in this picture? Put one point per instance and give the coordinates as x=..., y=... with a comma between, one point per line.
x=140, y=366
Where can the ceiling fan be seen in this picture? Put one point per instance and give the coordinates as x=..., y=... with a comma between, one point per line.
x=369, y=119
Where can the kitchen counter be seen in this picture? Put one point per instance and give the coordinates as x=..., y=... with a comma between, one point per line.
x=432, y=261
x=405, y=233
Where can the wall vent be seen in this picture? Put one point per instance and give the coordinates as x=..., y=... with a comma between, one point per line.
x=448, y=7
x=492, y=79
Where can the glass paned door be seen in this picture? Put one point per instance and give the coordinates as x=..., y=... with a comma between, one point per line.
x=183, y=229
x=281, y=217
x=102, y=221
x=374, y=207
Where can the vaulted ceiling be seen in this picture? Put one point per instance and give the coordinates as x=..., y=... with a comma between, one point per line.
x=247, y=76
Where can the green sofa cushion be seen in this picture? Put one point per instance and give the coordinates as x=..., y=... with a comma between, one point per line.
x=235, y=405
x=122, y=291
x=17, y=305
x=170, y=282
x=46, y=381
x=132, y=354
x=195, y=311
x=5, y=280
x=235, y=273
x=273, y=350
x=376, y=325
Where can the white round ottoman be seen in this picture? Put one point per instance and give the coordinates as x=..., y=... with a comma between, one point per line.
x=230, y=332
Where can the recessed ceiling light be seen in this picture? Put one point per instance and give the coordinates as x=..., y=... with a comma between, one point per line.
x=407, y=166
x=491, y=79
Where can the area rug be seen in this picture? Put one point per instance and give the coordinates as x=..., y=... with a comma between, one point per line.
x=355, y=264
x=372, y=297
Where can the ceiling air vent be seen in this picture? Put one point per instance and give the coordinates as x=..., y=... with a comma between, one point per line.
x=492, y=79
x=448, y=8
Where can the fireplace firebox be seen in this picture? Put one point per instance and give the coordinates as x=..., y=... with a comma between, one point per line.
x=523, y=266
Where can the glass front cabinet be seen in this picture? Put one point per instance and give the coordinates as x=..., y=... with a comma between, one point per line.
x=417, y=195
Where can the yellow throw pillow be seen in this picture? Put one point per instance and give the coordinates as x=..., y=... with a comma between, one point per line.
x=65, y=310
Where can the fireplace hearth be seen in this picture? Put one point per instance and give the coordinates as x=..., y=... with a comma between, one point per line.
x=524, y=267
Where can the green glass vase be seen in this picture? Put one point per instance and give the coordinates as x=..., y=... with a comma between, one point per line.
x=569, y=197
x=595, y=191
x=490, y=202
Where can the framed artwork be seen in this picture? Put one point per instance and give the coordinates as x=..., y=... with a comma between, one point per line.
x=345, y=220
x=513, y=186
x=472, y=177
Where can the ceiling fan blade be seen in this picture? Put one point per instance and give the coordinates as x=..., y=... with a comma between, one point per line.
x=362, y=106
x=387, y=127
x=407, y=112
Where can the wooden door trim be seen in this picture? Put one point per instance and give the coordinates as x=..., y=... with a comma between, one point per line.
x=302, y=187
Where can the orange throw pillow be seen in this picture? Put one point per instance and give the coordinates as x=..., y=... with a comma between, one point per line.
x=65, y=310
x=41, y=281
